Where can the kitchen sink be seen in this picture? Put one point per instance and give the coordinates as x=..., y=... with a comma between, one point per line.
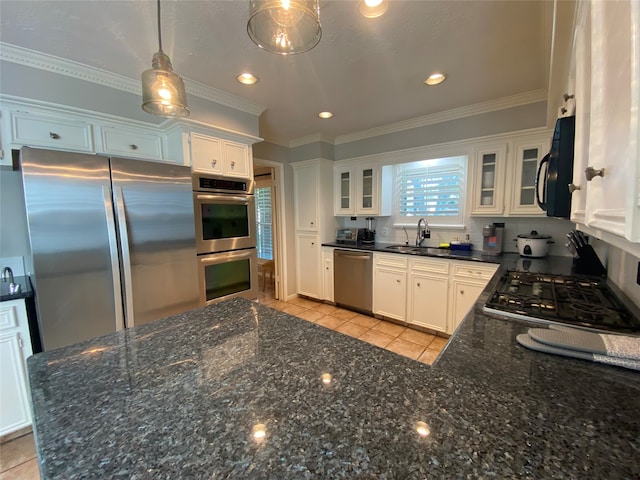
x=404, y=248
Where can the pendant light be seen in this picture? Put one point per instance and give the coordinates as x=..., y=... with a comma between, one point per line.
x=163, y=91
x=286, y=27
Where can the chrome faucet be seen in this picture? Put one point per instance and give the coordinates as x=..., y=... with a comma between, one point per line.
x=406, y=235
x=422, y=234
x=7, y=276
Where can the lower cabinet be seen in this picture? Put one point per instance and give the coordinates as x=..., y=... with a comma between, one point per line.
x=15, y=347
x=327, y=273
x=428, y=292
x=468, y=281
x=309, y=265
x=390, y=285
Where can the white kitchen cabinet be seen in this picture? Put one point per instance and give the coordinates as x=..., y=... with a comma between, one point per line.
x=468, y=280
x=362, y=188
x=490, y=166
x=390, y=285
x=608, y=119
x=50, y=131
x=428, y=293
x=327, y=273
x=309, y=265
x=314, y=223
x=522, y=193
x=15, y=347
x=344, y=190
x=219, y=156
x=307, y=196
x=130, y=142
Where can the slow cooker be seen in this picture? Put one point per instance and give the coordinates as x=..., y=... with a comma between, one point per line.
x=533, y=244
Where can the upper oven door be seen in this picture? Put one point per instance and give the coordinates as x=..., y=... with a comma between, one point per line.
x=224, y=222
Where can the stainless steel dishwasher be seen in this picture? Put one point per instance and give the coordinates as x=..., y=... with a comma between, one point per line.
x=353, y=279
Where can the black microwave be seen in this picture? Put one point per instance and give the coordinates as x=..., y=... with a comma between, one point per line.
x=558, y=174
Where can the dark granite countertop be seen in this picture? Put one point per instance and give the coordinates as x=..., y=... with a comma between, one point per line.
x=181, y=397
x=25, y=289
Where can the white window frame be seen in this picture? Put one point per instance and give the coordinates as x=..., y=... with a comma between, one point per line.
x=453, y=221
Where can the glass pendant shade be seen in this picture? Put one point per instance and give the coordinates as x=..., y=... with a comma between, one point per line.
x=286, y=27
x=163, y=91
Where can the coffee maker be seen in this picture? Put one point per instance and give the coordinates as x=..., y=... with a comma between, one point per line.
x=492, y=238
x=369, y=233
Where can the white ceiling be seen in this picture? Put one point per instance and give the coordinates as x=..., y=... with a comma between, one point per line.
x=368, y=72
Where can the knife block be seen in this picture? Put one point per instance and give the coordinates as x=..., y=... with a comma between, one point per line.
x=588, y=263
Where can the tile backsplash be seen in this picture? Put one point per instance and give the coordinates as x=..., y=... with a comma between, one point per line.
x=556, y=228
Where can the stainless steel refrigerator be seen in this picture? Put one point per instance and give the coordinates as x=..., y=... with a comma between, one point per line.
x=112, y=241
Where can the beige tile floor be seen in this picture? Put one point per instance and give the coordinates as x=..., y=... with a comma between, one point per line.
x=402, y=340
x=18, y=457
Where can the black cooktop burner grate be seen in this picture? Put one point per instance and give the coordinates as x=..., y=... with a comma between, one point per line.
x=586, y=302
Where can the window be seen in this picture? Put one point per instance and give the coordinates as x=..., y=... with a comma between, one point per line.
x=433, y=189
x=263, y=223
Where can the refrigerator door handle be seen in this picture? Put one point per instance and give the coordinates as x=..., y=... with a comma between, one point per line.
x=113, y=255
x=126, y=256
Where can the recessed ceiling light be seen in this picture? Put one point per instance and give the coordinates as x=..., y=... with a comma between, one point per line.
x=435, y=78
x=325, y=114
x=373, y=8
x=247, y=79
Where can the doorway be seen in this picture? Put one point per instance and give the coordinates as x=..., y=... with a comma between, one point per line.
x=267, y=223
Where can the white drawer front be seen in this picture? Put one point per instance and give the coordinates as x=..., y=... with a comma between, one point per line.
x=42, y=131
x=474, y=270
x=8, y=317
x=432, y=265
x=391, y=260
x=129, y=143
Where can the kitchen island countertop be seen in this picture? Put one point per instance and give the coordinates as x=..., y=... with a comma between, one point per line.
x=182, y=398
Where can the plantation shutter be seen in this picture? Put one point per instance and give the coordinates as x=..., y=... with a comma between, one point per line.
x=264, y=225
x=432, y=189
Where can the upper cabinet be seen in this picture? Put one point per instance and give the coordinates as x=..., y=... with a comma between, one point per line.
x=607, y=94
x=359, y=190
x=504, y=175
x=489, y=170
x=218, y=156
x=527, y=156
x=130, y=142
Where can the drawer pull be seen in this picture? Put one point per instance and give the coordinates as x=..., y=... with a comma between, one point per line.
x=54, y=135
x=573, y=188
x=418, y=283
x=233, y=164
x=133, y=146
x=213, y=163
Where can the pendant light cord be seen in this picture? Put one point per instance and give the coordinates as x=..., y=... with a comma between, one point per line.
x=159, y=29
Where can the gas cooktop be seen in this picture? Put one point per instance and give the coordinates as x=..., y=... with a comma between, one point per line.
x=579, y=301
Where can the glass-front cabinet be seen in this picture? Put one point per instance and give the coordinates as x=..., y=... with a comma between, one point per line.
x=358, y=189
x=523, y=181
x=489, y=174
x=344, y=190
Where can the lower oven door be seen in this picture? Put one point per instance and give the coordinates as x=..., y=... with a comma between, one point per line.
x=228, y=274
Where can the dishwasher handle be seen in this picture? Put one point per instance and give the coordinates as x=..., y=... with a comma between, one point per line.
x=355, y=256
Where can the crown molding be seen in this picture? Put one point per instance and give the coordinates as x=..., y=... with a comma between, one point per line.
x=314, y=138
x=526, y=98
x=31, y=58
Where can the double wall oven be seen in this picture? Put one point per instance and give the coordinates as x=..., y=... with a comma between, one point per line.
x=225, y=237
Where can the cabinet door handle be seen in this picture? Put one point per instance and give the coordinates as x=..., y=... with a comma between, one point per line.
x=398, y=281
x=54, y=135
x=567, y=97
x=133, y=146
x=461, y=292
x=313, y=243
x=213, y=163
x=573, y=188
x=233, y=164
x=418, y=283
x=591, y=172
